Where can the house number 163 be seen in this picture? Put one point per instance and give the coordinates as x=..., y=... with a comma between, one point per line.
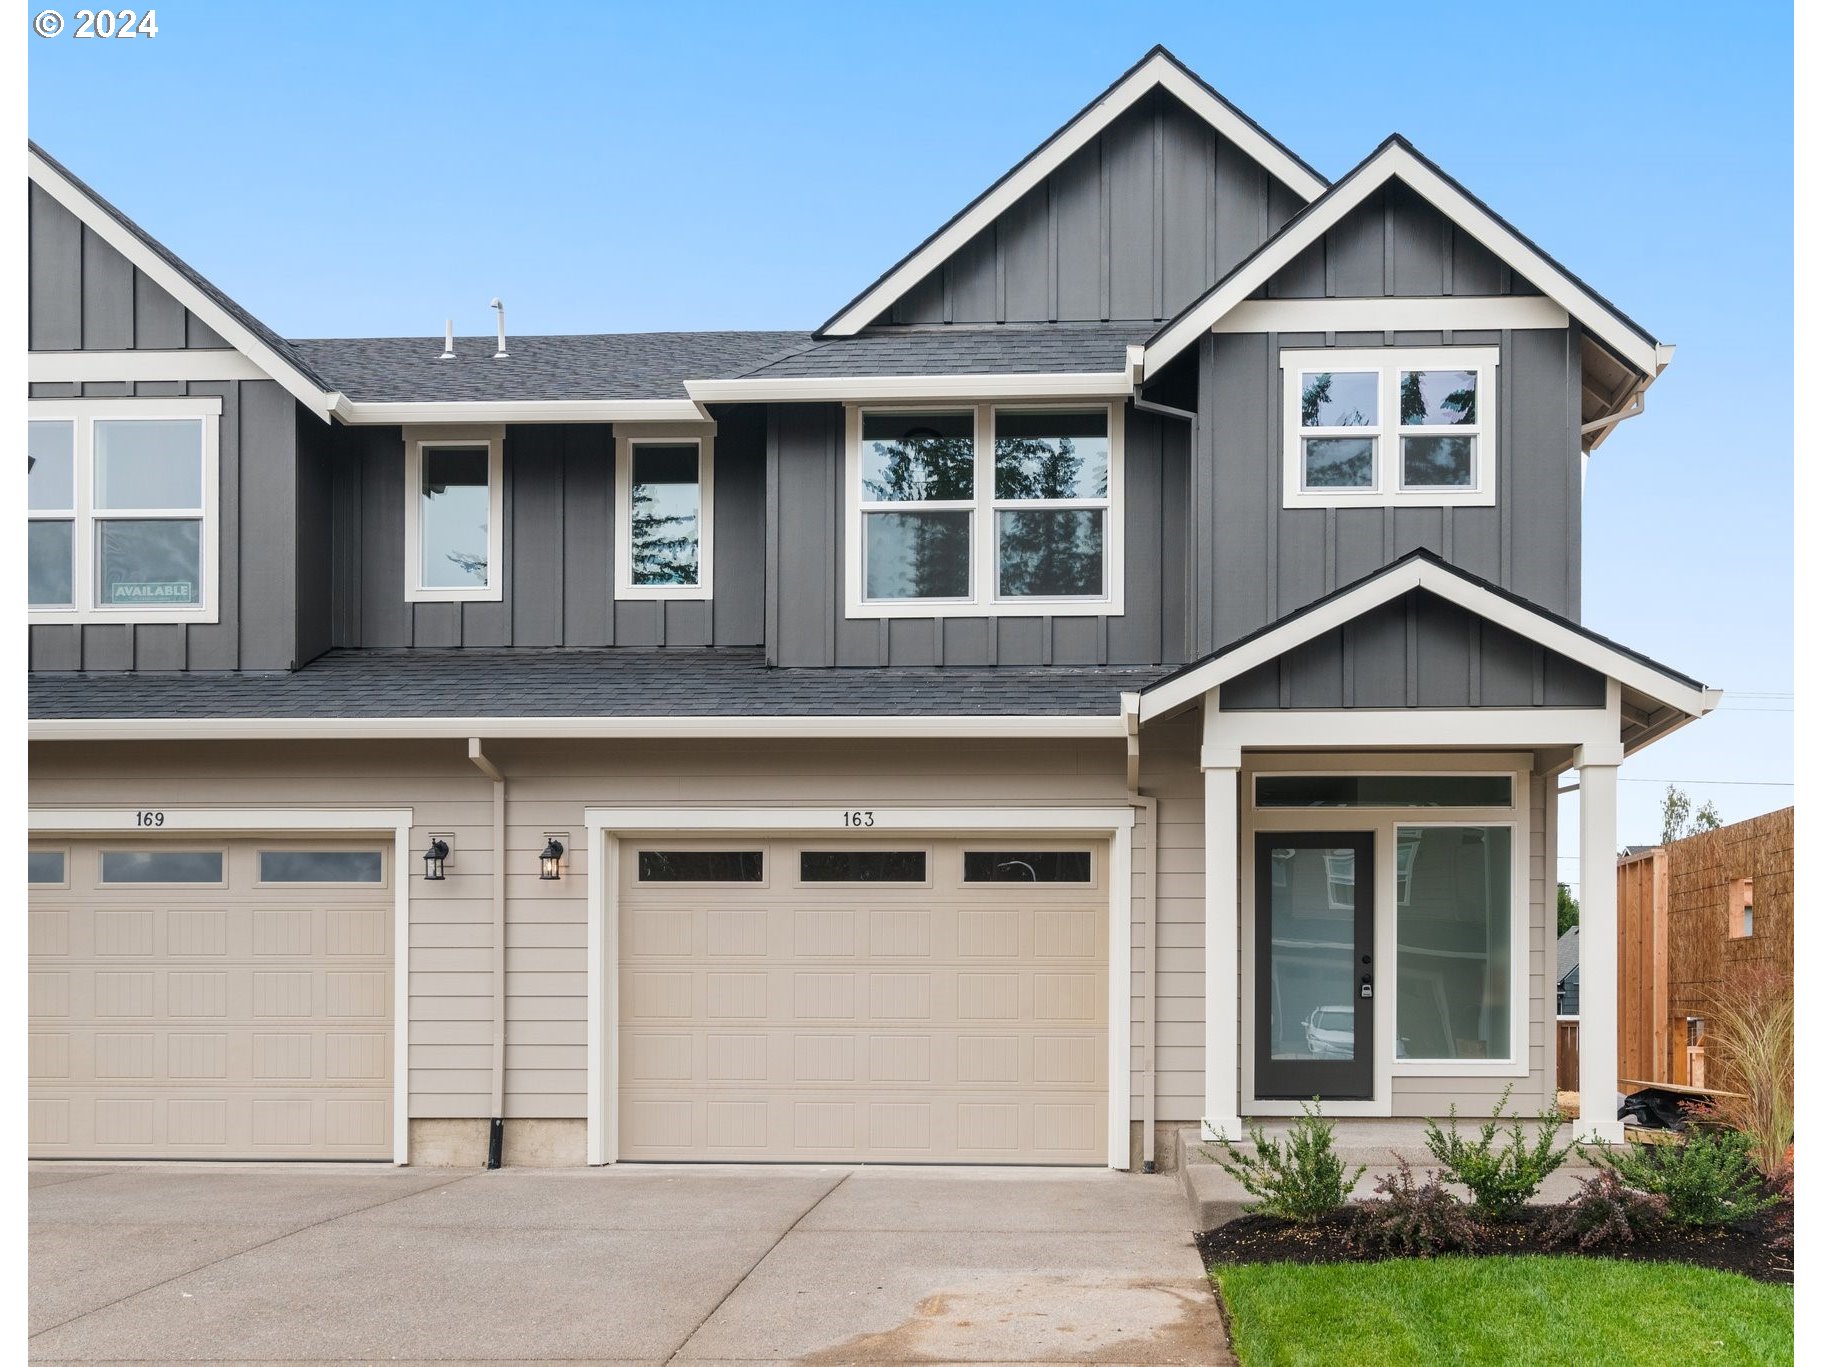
x=857, y=818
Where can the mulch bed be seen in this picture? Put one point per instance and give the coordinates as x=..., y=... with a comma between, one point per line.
x=1759, y=1248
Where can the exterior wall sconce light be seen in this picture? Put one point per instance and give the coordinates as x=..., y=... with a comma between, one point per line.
x=550, y=863
x=433, y=860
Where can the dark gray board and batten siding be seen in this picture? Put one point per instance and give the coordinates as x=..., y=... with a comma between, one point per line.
x=1134, y=226
x=84, y=296
x=558, y=541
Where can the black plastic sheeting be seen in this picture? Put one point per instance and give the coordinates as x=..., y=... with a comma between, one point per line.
x=1653, y=1108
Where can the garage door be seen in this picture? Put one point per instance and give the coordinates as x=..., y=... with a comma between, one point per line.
x=211, y=999
x=924, y=1001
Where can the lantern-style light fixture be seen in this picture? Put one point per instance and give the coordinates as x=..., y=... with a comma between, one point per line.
x=433, y=860
x=550, y=863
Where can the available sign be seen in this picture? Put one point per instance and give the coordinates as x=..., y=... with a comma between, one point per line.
x=172, y=591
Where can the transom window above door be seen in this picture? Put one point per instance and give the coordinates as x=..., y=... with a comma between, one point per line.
x=984, y=509
x=121, y=505
x=1397, y=426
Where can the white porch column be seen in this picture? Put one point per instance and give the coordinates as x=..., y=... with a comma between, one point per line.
x=1598, y=767
x=1221, y=932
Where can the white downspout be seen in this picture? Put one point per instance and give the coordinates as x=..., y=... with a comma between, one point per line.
x=1148, y=1001
x=497, y=1116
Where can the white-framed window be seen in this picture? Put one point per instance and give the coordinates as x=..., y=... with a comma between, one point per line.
x=454, y=537
x=1396, y=425
x=122, y=501
x=1003, y=509
x=664, y=510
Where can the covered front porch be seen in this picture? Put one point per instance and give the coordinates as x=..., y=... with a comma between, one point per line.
x=1381, y=776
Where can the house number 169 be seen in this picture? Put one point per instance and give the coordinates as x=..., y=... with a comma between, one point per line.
x=148, y=818
x=857, y=818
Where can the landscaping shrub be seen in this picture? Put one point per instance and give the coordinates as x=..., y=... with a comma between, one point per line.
x=1752, y=1040
x=1299, y=1179
x=1412, y=1221
x=1708, y=1179
x=1501, y=1179
x=1604, y=1212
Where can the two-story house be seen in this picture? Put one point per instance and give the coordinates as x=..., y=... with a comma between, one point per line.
x=1112, y=675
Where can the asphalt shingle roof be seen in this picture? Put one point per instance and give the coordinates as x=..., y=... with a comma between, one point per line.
x=614, y=365
x=1005, y=349
x=622, y=682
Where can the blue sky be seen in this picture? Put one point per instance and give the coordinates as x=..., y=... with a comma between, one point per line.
x=374, y=168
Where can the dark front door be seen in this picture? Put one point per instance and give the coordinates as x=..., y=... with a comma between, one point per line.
x=1313, y=965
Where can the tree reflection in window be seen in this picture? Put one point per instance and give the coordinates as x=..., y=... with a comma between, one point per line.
x=909, y=459
x=666, y=515
x=1058, y=465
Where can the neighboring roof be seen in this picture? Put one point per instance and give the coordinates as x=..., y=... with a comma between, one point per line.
x=992, y=349
x=456, y=692
x=1422, y=569
x=614, y=365
x=1568, y=952
x=1396, y=158
x=1157, y=69
x=181, y=280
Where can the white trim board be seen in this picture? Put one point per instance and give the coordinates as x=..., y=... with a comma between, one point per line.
x=1159, y=70
x=1108, y=727
x=1503, y=312
x=105, y=225
x=1397, y=581
x=254, y=820
x=359, y=414
x=131, y=367
x=1087, y=384
x=1396, y=160
x=606, y=826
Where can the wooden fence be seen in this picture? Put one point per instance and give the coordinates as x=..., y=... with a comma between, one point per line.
x=1568, y=1054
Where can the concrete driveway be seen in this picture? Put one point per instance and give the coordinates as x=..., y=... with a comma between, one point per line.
x=701, y=1265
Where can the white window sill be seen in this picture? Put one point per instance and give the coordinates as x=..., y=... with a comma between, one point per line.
x=949, y=607
x=126, y=617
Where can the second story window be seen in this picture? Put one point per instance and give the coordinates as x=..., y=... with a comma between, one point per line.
x=1391, y=426
x=983, y=510
x=663, y=513
x=454, y=543
x=121, y=501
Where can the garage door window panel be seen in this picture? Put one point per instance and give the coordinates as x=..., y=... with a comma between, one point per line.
x=344, y=868
x=200, y=868
x=47, y=868
x=900, y=867
x=1028, y=866
x=701, y=866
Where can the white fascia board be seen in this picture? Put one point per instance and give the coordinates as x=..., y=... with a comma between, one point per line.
x=1109, y=727
x=1100, y=384
x=1158, y=72
x=71, y=819
x=132, y=367
x=1409, y=314
x=520, y=410
x=1397, y=582
x=1394, y=161
x=167, y=277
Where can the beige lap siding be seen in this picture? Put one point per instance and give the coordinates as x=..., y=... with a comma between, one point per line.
x=549, y=785
x=1170, y=771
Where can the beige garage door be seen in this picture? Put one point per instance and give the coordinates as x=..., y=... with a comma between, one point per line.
x=211, y=999
x=919, y=1001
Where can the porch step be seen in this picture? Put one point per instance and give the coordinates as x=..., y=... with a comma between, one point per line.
x=1215, y=1197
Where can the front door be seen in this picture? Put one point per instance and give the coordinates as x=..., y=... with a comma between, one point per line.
x=1313, y=960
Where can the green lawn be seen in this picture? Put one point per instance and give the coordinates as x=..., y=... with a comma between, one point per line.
x=1580, y=1311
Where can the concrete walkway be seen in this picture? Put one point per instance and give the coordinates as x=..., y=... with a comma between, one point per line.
x=730, y=1265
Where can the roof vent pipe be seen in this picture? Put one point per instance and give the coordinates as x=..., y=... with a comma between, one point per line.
x=500, y=309
x=448, y=340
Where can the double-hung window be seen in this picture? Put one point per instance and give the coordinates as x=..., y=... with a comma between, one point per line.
x=1389, y=427
x=454, y=540
x=663, y=511
x=121, y=500
x=984, y=510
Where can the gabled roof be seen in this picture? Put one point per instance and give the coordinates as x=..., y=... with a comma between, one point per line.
x=1158, y=69
x=1396, y=158
x=183, y=282
x=1420, y=569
